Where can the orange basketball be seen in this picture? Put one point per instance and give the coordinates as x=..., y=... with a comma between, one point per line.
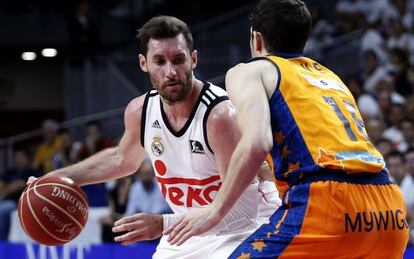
x=53, y=210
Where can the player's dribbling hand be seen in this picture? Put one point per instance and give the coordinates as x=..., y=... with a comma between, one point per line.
x=138, y=227
x=195, y=222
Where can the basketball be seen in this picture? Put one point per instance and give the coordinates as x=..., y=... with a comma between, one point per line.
x=53, y=210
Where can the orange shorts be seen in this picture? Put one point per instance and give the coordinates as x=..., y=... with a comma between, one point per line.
x=334, y=219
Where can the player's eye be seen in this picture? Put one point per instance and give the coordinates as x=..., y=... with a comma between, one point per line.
x=179, y=61
x=159, y=62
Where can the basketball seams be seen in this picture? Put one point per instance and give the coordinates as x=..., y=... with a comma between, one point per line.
x=80, y=194
x=57, y=206
x=34, y=216
x=40, y=224
x=74, y=188
x=60, y=185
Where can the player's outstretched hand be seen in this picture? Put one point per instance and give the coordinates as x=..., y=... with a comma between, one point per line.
x=138, y=227
x=195, y=222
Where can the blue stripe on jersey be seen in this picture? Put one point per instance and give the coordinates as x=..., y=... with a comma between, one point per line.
x=282, y=121
x=288, y=219
x=362, y=155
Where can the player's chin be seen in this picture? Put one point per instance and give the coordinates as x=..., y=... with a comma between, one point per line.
x=174, y=96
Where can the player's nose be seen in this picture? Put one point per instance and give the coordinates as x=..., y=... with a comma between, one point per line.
x=170, y=70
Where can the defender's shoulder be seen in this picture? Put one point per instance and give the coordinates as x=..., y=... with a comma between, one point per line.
x=257, y=66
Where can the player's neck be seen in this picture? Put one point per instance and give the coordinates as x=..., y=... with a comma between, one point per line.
x=262, y=53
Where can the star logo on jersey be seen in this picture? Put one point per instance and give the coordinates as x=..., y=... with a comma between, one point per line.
x=285, y=152
x=156, y=124
x=279, y=137
x=325, y=156
x=244, y=256
x=329, y=159
x=196, y=147
x=157, y=147
x=291, y=167
x=258, y=245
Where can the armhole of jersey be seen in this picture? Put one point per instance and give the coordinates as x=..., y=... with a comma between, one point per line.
x=279, y=75
x=144, y=116
x=209, y=108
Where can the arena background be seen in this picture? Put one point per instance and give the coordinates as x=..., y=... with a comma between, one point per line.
x=94, y=73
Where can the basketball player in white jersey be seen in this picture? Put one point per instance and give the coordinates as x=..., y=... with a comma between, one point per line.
x=188, y=128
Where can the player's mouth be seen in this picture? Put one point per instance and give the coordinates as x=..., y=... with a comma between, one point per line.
x=172, y=84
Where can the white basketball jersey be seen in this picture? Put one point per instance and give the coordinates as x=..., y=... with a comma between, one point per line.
x=183, y=161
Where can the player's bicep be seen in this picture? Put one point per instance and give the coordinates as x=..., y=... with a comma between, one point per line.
x=130, y=147
x=247, y=92
x=223, y=134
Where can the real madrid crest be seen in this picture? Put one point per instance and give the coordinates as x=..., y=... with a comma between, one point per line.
x=156, y=146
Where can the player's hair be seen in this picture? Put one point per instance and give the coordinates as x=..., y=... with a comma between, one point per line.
x=162, y=27
x=284, y=24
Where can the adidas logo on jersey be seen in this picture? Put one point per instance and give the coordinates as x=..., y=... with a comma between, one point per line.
x=156, y=124
x=196, y=147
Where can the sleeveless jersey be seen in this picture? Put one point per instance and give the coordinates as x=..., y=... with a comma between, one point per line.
x=316, y=123
x=184, y=163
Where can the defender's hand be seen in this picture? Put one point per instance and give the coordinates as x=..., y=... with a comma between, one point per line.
x=195, y=222
x=138, y=227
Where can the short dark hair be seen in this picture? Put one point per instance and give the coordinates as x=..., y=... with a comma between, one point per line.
x=284, y=24
x=162, y=27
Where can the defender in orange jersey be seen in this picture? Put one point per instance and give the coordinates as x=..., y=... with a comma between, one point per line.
x=339, y=201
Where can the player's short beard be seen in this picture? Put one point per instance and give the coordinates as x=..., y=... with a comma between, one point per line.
x=169, y=98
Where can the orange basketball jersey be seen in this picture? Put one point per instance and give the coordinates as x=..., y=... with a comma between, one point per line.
x=316, y=122
x=338, y=199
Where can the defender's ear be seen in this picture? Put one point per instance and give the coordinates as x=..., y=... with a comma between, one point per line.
x=258, y=41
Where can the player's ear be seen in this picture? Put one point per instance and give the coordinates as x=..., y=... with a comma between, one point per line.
x=194, y=59
x=143, y=63
x=258, y=40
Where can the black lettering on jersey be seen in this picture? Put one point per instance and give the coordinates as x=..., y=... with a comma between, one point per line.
x=399, y=218
x=368, y=221
x=196, y=147
x=156, y=124
x=381, y=221
x=353, y=224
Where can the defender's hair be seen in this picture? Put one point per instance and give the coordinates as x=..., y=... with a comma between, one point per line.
x=284, y=24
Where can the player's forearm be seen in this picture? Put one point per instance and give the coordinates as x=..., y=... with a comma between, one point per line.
x=243, y=167
x=101, y=167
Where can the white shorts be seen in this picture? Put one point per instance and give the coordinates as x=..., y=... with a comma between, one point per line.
x=269, y=201
x=211, y=246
